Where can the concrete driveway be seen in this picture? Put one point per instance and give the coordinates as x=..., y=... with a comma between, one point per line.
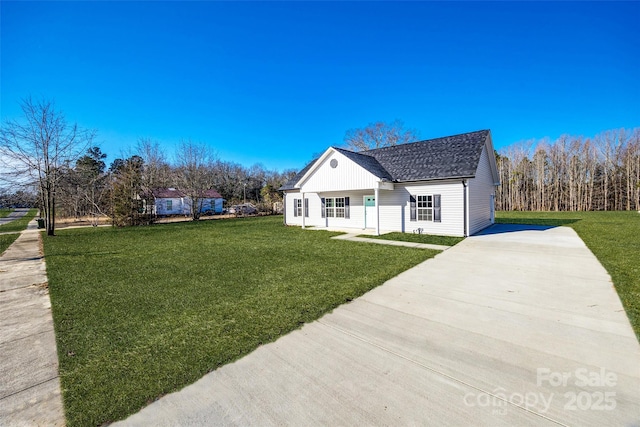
x=518, y=326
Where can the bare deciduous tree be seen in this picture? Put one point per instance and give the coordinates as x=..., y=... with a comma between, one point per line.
x=572, y=173
x=33, y=151
x=157, y=171
x=379, y=134
x=195, y=175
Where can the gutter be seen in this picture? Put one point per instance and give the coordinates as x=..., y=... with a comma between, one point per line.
x=448, y=178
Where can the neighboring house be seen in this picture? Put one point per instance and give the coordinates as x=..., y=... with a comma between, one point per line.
x=443, y=186
x=171, y=201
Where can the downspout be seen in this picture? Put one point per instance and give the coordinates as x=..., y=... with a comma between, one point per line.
x=465, y=186
x=303, y=212
x=376, y=192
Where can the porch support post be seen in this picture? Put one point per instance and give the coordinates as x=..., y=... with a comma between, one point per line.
x=376, y=193
x=303, y=212
x=284, y=208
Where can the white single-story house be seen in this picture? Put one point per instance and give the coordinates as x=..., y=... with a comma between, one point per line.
x=443, y=186
x=171, y=201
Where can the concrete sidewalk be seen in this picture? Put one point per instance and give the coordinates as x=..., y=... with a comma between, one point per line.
x=354, y=238
x=29, y=383
x=519, y=326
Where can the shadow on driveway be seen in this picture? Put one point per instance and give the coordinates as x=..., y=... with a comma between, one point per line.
x=511, y=225
x=512, y=228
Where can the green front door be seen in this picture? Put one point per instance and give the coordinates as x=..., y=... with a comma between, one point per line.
x=369, y=212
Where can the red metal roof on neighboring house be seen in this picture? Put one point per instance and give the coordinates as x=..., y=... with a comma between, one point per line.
x=167, y=193
x=211, y=194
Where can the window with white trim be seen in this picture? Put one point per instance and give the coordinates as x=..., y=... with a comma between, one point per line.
x=298, y=207
x=336, y=207
x=339, y=207
x=425, y=208
x=330, y=208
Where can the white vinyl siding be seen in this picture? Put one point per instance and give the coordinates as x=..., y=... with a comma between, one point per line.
x=395, y=208
x=310, y=206
x=481, y=189
x=289, y=208
x=356, y=209
x=346, y=176
x=438, y=207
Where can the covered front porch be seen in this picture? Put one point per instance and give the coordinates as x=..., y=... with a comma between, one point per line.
x=344, y=209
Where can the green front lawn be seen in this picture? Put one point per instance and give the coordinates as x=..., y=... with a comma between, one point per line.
x=418, y=238
x=143, y=311
x=5, y=212
x=6, y=240
x=613, y=237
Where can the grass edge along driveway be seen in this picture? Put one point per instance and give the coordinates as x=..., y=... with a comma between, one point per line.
x=141, y=312
x=14, y=227
x=613, y=237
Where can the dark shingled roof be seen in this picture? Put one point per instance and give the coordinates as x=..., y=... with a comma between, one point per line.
x=454, y=156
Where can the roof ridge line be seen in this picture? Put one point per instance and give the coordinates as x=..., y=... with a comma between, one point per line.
x=425, y=140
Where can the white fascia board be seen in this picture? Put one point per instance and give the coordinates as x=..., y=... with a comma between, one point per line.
x=315, y=166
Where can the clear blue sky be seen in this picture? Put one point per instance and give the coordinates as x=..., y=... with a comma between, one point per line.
x=275, y=83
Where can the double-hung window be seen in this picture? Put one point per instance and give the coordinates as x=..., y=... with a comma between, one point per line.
x=330, y=207
x=335, y=207
x=169, y=205
x=339, y=202
x=425, y=208
x=298, y=206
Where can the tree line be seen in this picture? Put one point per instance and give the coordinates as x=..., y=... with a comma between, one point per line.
x=124, y=190
x=66, y=171
x=44, y=155
x=572, y=173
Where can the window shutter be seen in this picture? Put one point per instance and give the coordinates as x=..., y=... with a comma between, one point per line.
x=412, y=204
x=323, y=207
x=306, y=208
x=346, y=208
x=295, y=207
x=436, y=208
